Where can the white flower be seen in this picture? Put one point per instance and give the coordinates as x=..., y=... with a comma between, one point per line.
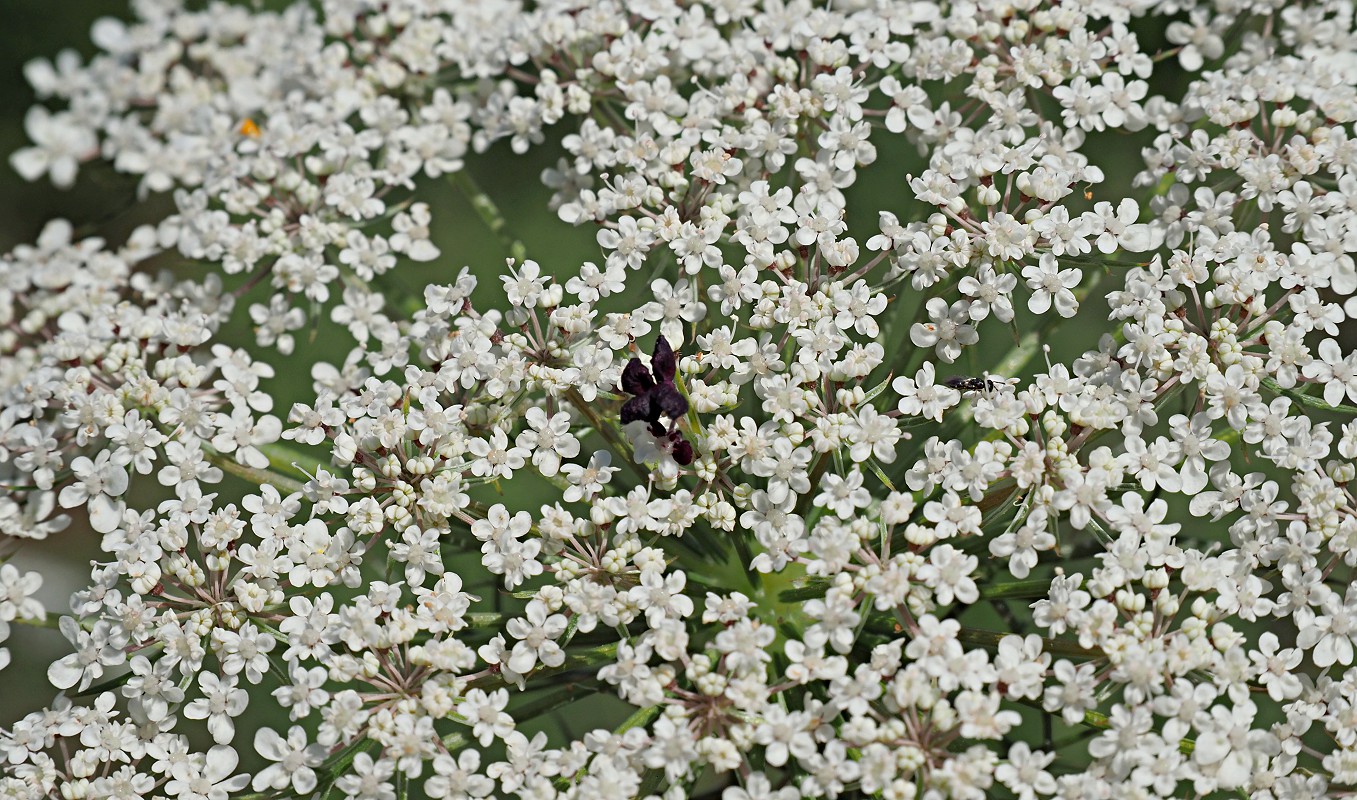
x=61, y=142
x=494, y=457
x=536, y=632
x=1051, y=285
x=1021, y=546
x=16, y=595
x=458, y=777
x=948, y=331
x=1332, y=633
x=368, y=779
x=1336, y=372
x=1227, y=748
x=588, y=481
x=412, y=234
x=97, y=483
x=843, y=495
x=485, y=713
x=1025, y=772
x=242, y=434
x=206, y=776
x=922, y=396
x=222, y=700
x=718, y=159
x=420, y=551
x=948, y=573
x=295, y=760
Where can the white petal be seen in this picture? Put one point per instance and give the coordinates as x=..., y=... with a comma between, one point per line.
x=105, y=515
x=30, y=162
x=64, y=674
x=423, y=250
x=1140, y=238
x=1210, y=748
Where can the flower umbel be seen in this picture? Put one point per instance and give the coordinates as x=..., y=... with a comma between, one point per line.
x=876, y=580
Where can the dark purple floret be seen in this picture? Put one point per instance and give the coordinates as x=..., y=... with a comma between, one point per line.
x=655, y=395
x=653, y=389
x=636, y=378
x=663, y=362
x=683, y=451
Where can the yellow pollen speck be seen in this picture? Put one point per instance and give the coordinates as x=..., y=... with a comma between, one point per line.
x=249, y=128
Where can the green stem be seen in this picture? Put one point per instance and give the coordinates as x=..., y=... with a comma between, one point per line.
x=489, y=213
x=1017, y=590
x=615, y=442
x=640, y=719
x=288, y=461
x=1094, y=719
x=54, y=623
x=259, y=477
x=990, y=641
x=1307, y=400
x=593, y=657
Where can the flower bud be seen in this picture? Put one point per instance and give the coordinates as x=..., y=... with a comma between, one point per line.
x=1284, y=117
x=1155, y=579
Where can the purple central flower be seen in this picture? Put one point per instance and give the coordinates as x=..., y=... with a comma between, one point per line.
x=654, y=394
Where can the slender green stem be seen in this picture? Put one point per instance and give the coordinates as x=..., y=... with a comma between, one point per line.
x=990, y=640
x=489, y=213
x=259, y=477
x=51, y=622
x=1307, y=400
x=640, y=719
x=1093, y=719
x=1017, y=590
x=615, y=442
x=592, y=657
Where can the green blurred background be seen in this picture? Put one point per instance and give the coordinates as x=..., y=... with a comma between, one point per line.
x=29, y=29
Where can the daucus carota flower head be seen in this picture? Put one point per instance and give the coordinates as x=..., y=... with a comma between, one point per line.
x=419, y=499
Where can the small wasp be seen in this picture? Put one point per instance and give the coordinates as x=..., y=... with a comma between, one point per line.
x=965, y=383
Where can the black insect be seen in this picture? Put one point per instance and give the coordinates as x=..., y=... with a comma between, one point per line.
x=965, y=383
x=655, y=395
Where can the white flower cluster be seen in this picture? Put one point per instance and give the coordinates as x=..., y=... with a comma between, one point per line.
x=808, y=561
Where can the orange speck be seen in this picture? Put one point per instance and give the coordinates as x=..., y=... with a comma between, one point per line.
x=249, y=128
